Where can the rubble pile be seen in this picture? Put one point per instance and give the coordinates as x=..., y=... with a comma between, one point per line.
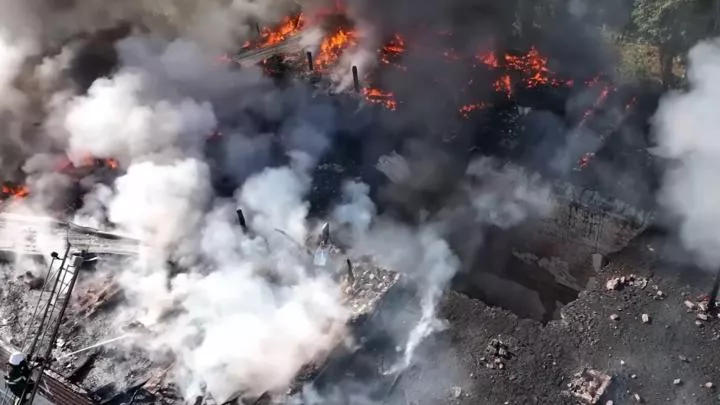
x=703, y=308
x=498, y=355
x=366, y=284
x=618, y=283
x=589, y=385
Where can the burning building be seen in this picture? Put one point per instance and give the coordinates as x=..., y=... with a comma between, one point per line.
x=159, y=130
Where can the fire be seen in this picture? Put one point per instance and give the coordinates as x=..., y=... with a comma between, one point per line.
x=488, y=59
x=601, y=99
x=333, y=45
x=289, y=27
x=585, y=160
x=111, y=163
x=87, y=161
x=533, y=65
x=392, y=51
x=15, y=191
x=469, y=108
x=504, y=85
x=377, y=96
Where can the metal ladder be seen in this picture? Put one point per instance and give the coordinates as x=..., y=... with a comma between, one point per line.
x=43, y=328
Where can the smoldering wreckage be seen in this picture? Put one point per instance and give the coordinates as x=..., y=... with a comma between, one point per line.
x=322, y=203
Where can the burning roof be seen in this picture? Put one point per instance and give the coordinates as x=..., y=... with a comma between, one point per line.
x=497, y=76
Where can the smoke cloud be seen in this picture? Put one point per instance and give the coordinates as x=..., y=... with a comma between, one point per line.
x=229, y=310
x=685, y=126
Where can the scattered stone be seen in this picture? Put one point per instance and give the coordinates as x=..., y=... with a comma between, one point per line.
x=703, y=317
x=609, y=403
x=703, y=306
x=645, y=318
x=683, y=359
x=498, y=349
x=637, y=398
x=698, y=324
x=660, y=294
x=632, y=280
x=633, y=376
x=614, y=317
x=456, y=392
x=709, y=385
x=677, y=381
x=589, y=385
x=690, y=305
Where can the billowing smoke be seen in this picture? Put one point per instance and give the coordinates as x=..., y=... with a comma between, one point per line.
x=491, y=194
x=686, y=129
x=232, y=310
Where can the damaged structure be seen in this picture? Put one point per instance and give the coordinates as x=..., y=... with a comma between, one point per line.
x=536, y=312
x=58, y=336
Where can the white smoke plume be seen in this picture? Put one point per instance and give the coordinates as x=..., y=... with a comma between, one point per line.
x=245, y=313
x=499, y=195
x=686, y=128
x=234, y=311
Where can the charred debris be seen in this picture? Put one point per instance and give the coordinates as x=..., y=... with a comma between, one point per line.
x=74, y=352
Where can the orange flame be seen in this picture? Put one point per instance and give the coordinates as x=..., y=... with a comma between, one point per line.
x=377, y=96
x=488, y=59
x=333, y=45
x=111, y=163
x=584, y=161
x=469, y=108
x=15, y=191
x=290, y=26
x=504, y=84
x=392, y=50
x=601, y=99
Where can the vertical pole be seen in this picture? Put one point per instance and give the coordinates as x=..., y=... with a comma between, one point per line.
x=241, y=219
x=257, y=28
x=356, y=80
x=714, y=290
x=310, y=61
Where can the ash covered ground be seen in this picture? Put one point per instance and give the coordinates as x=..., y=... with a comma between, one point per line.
x=490, y=150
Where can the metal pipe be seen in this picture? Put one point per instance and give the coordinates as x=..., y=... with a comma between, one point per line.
x=351, y=275
x=54, y=335
x=241, y=219
x=310, y=61
x=714, y=291
x=356, y=79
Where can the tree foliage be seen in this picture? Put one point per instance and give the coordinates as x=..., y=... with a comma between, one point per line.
x=674, y=25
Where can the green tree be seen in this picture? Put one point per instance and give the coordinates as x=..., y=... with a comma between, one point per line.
x=673, y=26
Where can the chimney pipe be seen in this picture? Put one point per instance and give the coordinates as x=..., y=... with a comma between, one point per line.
x=310, y=61
x=351, y=276
x=241, y=219
x=325, y=234
x=714, y=291
x=356, y=80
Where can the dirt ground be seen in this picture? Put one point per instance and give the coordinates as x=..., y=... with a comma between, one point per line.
x=674, y=358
